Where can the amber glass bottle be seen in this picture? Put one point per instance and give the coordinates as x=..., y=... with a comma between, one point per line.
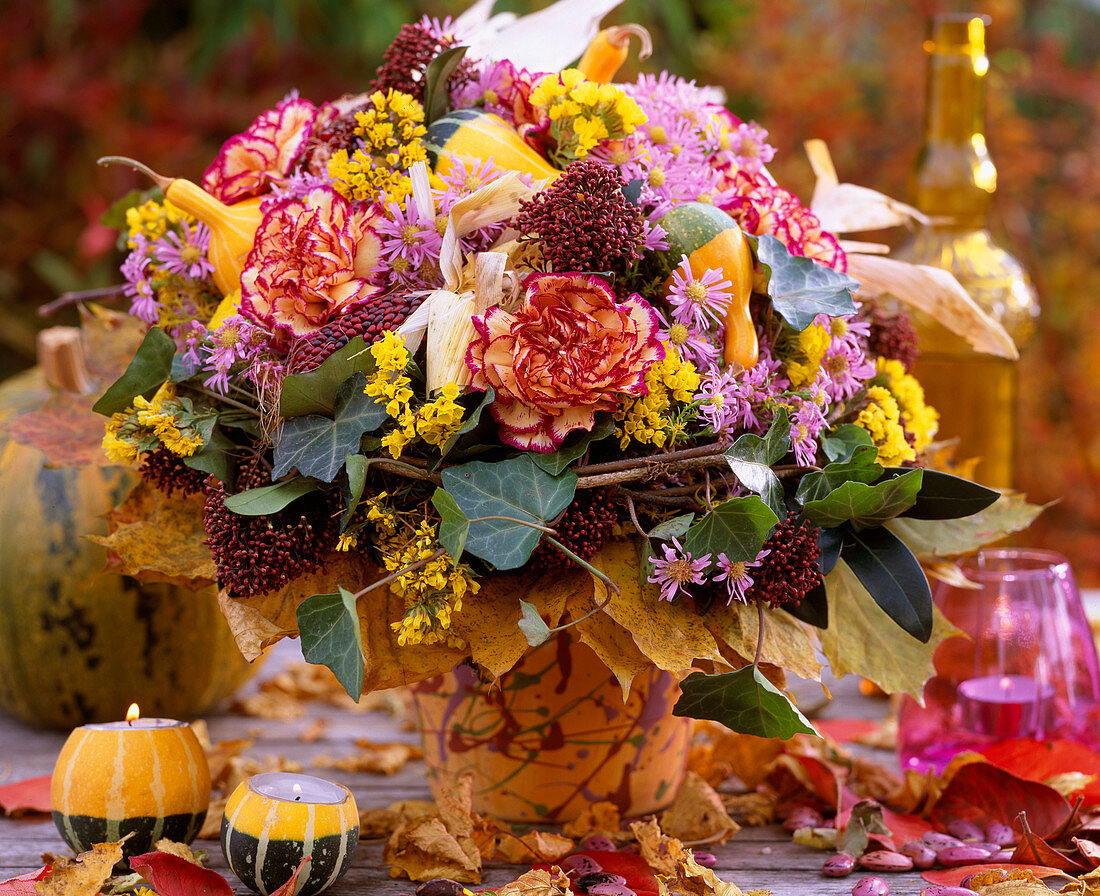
x=975, y=393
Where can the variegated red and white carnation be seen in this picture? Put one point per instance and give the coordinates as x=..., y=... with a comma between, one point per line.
x=570, y=350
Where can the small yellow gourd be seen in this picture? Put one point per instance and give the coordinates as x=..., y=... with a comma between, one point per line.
x=232, y=227
x=609, y=49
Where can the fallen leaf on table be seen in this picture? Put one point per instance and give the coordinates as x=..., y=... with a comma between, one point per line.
x=537, y=882
x=291, y=886
x=697, y=813
x=274, y=705
x=1085, y=885
x=1089, y=850
x=717, y=753
x=23, y=885
x=171, y=875
x=602, y=819
x=845, y=730
x=83, y=876
x=675, y=864
x=313, y=732
x=751, y=810
x=423, y=849
x=376, y=823
x=30, y=796
x=212, y=825
x=537, y=846
x=181, y=850
x=1037, y=761
x=219, y=757
x=983, y=793
x=1034, y=850
x=374, y=759
x=952, y=877
x=241, y=768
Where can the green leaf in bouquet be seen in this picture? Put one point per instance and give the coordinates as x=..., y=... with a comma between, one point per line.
x=946, y=497
x=829, y=542
x=751, y=458
x=862, y=466
x=801, y=288
x=744, y=701
x=534, y=629
x=147, y=371
x=216, y=456
x=454, y=526
x=575, y=444
x=356, y=465
x=513, y=493
x=813, y=609
x=269, y=498
x=315, y=392
x=893, y=577
x=436, y=94
x=934, y=540
x=472, y=421
x=115, y=215
x=677, y=527
x=317, y=445
x=840, y=444
x=865, y=506
x=736, y=527
x=330, y=632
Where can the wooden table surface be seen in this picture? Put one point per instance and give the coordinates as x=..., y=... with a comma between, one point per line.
x=755, y=858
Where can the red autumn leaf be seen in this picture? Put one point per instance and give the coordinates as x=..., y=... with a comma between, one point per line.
x=983, y=793
x=31, y=795
x=1089, y=851
x=1039, y=760
x=952, y=877
x=845, y=730
x=820, y=779
x=291, y=886
x=638, y=874
x=24, y=884
x=64, y=429
x=1034, y=849
x=903, y=828
x=170, y=875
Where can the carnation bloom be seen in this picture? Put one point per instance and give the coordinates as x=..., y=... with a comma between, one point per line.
x=313, y=258
x=266, y=150
x=569, y=351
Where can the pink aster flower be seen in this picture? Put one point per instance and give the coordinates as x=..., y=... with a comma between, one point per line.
x=735, y=573
x=410, y=244
x=569, y=351
x=312, y=259
x=847, y=369
x=265, y=151
x=184, y=252
x=698, y=302
x=677, y=569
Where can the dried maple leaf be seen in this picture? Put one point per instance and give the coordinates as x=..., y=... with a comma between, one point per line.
x=377, y=823
x=537, y=882
x=272, y=705
x=602, y=819
x=676, y=866
x=537, y=846
x=423, y=849
x=313, y=732
x=697, y=813
x=751, y=810
x=220, y=758
x=212, y=825
x=373, y=759
x=84, y=875
x=181, y=850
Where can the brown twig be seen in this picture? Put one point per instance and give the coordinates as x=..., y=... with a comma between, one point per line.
x=633, y=513
x=79, y=295
x=631, y=462
x=647, y=468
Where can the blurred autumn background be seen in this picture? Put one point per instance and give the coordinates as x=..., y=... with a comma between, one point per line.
x=166, y=81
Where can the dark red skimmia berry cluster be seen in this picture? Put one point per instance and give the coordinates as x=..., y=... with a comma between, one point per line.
x=791, y=570
x=170, y=474
x=584, y=528
x=405, y=62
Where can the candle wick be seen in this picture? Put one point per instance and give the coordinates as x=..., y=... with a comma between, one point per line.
x=297, y=798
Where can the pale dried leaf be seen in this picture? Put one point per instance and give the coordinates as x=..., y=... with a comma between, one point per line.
x=423, y=849
x=537, y=846
x=1069, y=782
x=180, y=850
x=313, y=732
x=373, y=759
x=697, y=813
x=938, y=294
x=450, y=332
x=376, y=823
x=750, y=810
x=537, y=882
x=602, y=819
x=212, y=825
x=252, y=631
x=80, y=876
x=270, y=705
x=951, y=574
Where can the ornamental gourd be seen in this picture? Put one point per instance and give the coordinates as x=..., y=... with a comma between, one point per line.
x=78, y=644
x=604, y=56
x=476, y=134
x=711, y=239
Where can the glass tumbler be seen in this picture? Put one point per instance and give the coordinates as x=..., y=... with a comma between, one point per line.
x=1027, y=668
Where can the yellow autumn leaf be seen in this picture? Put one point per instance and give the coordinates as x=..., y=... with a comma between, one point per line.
x=423, y=849
x=83, y=876
x=697, y=813
x=788, y=643
x=536, y=846
x=537, y=883
x=862, y=639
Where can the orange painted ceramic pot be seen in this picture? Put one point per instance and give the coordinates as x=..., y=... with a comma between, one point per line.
x=555, y=736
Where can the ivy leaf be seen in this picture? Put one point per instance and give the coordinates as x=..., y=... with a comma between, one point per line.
x=946, y=497
x=315, y=392
x=841, y=443
x=676, y=527
x=801, y=288
x=356, y=465
x=534, y=629
x=468, y=425
x=215, y=459
x=893, y=577
x=317, y=445
x=862, y=466
x=454, y=526
x=575, y=445
x=436, y=95
x=329, y=628
x=744, y=701
x=814, y=607
x=736, y=527
x=516, y=488
x=866, y=506
x=147, y=371
x=269, y=498
x=751, y=458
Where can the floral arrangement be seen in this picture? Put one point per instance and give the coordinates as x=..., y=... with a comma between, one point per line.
x=499, y=346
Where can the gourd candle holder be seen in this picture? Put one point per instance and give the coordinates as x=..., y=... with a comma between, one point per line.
x=144, y=777
x=1028, y=668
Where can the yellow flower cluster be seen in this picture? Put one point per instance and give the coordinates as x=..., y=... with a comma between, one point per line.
x=149, y=422
x=435, y=421
x=812, y=343
x=390, y=130
x=151, y=219
x=646, y=419
x=882, y=419
x=584, y=114
x=921, y=420
x=433, y=591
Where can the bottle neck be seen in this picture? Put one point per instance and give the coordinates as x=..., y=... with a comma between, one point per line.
x=955, y=177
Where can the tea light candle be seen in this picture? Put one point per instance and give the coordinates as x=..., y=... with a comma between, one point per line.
x=1005, y=706
x=276, y=819
x=144, y=777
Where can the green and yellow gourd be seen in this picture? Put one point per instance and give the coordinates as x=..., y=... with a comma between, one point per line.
x=264, y=837
x=78, y=644
x=111, y=781
x=476, y=134
x=711, y=239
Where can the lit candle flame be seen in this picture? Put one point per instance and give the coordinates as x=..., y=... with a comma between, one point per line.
x=1006, y=683
x=297, y=788
x=133, y=714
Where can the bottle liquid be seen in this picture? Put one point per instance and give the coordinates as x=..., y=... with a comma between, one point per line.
x=975, y=393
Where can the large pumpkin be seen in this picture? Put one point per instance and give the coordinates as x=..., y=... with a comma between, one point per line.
x=77, y=644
